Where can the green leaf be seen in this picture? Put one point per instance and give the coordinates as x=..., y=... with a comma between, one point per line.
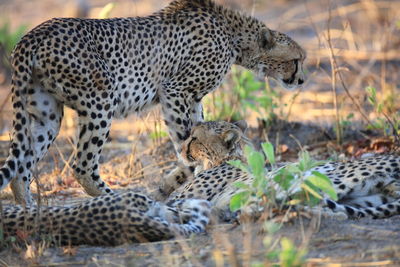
x=238, y=200
x=273, y=255
x=255, y=160
x=158, y=134
x=323, y=183
x=284, y=178
x=271, y=227
x=290, y=255
x=268, y=149
x=310, y=188
x=306, y=162
x=238, y=164
x=371, y=91
x=241, y=185
x=379, y=108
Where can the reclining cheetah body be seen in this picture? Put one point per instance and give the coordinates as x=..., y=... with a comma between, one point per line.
x=110, y=68
x=365, y=187
x=107, y=220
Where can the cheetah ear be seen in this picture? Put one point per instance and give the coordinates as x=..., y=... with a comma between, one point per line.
x=230, y=137
x=267, y=39
x=242, y=124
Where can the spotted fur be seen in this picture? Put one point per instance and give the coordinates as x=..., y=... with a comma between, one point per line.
x=106, y=69
x=365, y=187
x=107, y=220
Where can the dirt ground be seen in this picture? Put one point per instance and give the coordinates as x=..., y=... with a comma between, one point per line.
x=136, y=159
x=344, y=243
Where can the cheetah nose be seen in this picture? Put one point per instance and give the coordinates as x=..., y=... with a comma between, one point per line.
x=301, y=81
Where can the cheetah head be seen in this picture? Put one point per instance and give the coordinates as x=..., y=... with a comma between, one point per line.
x=212, y=143
x=276, y=55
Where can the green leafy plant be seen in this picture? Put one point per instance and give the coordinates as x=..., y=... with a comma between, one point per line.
x=290, y=255
x=158, y=133
x=294, y=181
x=293, y=184
x=280, y=251
x=344, y=124
x=8, y=39
x=387, y=119
x=241, y=93
x=253, y=94
x=258, y=188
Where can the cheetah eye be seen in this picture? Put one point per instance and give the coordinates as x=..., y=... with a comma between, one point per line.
x=188, y=154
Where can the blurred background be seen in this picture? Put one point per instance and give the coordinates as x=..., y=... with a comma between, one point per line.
x=351, y=45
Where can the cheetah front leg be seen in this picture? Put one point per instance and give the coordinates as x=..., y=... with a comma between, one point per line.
x=180, y=115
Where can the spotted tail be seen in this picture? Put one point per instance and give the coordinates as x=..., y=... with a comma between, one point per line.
x=22, y=65
x=378, y=211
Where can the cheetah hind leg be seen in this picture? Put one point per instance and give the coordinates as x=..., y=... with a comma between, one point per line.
x=93, y=134
x=45, y=115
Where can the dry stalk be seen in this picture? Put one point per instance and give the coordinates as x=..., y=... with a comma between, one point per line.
x=223, y=238
x=247, y=244
x=188, y=252
x=3, y=263
x=332, y=52
x=39, y=201
x=67, y=165
x=292, y=100
x=132, y=157
x=334, y=70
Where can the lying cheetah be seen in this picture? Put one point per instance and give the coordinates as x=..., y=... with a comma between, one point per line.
x=109, y=68
x=108, y=220
x=364, y=187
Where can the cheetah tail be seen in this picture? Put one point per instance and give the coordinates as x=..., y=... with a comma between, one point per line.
x=22, y=82
x=379, y=211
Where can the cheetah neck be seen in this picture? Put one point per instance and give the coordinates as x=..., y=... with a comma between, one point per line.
x=246, y=32
x=243, y=29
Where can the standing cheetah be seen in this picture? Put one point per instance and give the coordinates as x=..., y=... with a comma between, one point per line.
x=107, y=69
